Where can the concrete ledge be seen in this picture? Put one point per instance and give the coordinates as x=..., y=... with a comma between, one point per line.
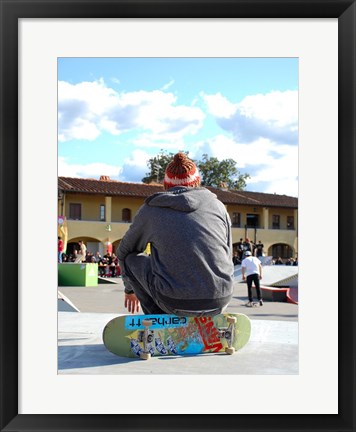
x=292, y=295
x=289, y=295
x=272, y=294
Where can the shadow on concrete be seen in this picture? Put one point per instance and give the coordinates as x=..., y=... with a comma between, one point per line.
x=72, y=339
x=205, y=355
x=84, y=356
x=275, y=315
x=266, y=300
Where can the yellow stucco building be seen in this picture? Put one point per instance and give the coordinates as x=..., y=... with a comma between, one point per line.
x=99, y=212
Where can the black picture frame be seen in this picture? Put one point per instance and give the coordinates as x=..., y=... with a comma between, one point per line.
x=13, y=10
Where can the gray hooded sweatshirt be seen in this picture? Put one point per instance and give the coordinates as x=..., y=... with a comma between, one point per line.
x=189, y=231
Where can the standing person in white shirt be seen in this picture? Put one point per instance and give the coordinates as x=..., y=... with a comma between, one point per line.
x=252, y=272
x=82, y=253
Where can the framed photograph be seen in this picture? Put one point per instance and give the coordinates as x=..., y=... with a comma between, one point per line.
x=321, y=34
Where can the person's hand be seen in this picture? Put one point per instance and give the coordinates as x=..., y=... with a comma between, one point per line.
x=260, y=277
x=243, y=277
x=131, y=303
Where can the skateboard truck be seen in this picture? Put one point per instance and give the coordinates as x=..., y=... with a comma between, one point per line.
x=146, y=337
x=229, y=334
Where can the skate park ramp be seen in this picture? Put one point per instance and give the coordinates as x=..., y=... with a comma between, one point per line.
x=279, y=283
x=65, y=305
x=280, y=276
x=274, y=275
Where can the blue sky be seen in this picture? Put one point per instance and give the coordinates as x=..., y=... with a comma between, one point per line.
x=115, y=113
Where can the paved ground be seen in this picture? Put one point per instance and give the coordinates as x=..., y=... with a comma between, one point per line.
x=109, y=298
x=272, y=349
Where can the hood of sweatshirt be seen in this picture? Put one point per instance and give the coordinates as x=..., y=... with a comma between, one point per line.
x=181, y=198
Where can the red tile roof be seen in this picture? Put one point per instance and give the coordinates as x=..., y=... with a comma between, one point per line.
x=109, y=187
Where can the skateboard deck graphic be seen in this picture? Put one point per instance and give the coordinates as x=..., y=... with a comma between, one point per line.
x=142, y=336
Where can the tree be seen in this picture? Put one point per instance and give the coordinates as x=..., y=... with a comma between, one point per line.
x=217, y=173
x=213, y=172
x=157, y=166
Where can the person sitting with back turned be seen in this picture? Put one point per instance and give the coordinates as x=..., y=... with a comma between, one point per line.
x=189, y=271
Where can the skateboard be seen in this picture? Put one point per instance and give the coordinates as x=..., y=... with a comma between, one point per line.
x=144, y=336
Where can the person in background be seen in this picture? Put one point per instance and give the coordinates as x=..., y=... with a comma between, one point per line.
x=81, y=255
x=73, y=257
x=253, y=247
x=251, y=269
x=98, y=257
x=235, y=258
x=240, y=248
x=65, y=258
x=247, y=247
x=259, y=249
x=114, y=263
x=60, y=249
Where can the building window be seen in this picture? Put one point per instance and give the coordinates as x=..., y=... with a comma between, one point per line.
x=252, y=221
x=75, y=211
x=102, y=212
x=276, y=221
x=236, y=219
x=290, y=222
x=281, y=250
x=126, y=215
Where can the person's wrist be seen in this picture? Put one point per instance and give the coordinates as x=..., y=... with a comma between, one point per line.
x=129, y=292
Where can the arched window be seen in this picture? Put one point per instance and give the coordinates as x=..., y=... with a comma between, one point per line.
x=281, y=250
x=126, y=215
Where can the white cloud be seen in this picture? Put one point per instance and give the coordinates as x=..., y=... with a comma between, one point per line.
x=80, y=129
x=135, y=167
x=81, y=107
x=223, y=147
x=91, y=170
x=109, y=126
x=273, y=115
x=271, y=164
x=87, y=109
x=160, y=141
x=259, y=132
x=218, y=105
x=168, y=85
x=263, y=132
x=97, y=97
x=280, y=175
x=279, y=108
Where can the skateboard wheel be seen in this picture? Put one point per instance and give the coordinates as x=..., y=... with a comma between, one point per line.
x=146, y=323
x=231, y=320
x=230, y=350
x=145, y=356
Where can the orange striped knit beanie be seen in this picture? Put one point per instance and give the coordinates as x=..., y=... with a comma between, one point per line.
x=181, y=172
